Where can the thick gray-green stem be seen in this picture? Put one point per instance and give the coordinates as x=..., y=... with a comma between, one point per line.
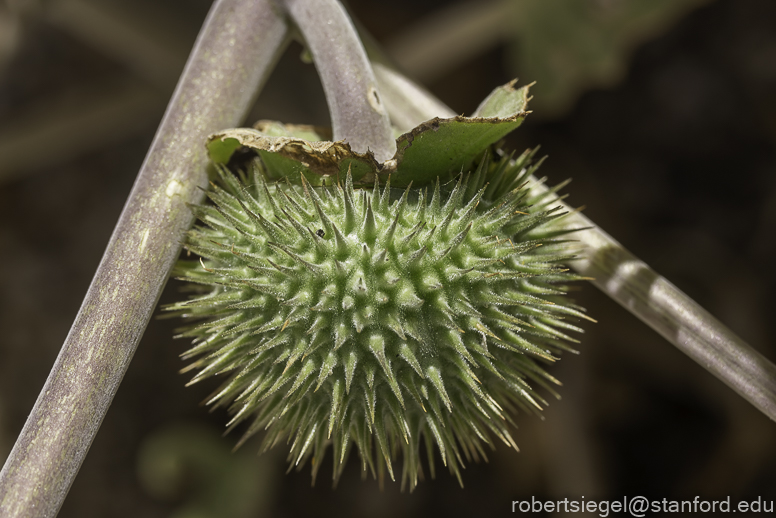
x=622, y=276
x=356, y=107
x=236, y=49
x=678, y=318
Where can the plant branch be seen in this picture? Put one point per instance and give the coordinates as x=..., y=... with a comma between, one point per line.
x=406, y=102
x=356, y=108
x=678, y=318
x=234, y=53
x=622, y=276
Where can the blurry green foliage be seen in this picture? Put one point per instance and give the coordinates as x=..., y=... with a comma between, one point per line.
x=568, y=46
x=193, y=465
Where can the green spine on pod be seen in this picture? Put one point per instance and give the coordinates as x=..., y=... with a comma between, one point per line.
x=379, y=317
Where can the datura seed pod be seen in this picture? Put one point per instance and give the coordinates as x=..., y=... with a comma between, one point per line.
x=379, y=317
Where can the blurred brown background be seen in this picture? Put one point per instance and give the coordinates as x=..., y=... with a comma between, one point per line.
x=663, y=112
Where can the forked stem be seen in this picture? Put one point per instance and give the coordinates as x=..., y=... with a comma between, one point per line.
x=235, y=51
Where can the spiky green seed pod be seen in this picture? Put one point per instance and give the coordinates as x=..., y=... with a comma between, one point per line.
x=378, y=318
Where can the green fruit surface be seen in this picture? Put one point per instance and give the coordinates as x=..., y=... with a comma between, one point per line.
x=378, y=318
